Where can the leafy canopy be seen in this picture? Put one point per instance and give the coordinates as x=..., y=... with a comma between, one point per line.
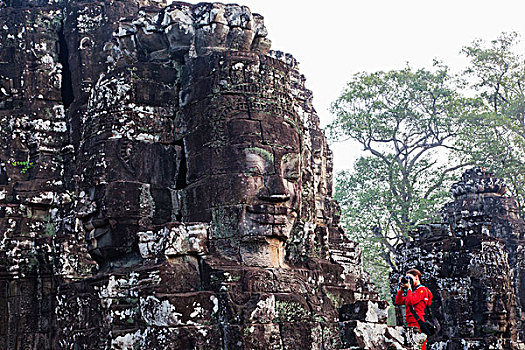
x=402, y=119
x=419, y=130
x=495, y=136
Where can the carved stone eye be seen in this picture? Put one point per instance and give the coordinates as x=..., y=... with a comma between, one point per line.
x=290, y=167
x=259, y=161
x=255, y=164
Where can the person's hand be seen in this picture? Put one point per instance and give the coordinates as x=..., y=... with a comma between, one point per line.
x=404, y=285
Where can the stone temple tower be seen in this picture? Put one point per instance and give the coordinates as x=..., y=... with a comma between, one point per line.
x=164, y=184
x=473, y=263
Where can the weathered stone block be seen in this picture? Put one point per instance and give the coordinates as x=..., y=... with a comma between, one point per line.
x=364, y=310
x=182, y=309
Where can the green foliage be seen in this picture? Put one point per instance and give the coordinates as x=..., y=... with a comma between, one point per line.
x=50, y=229
x=401, y=118
x=368, y=210
x=26, y=165
x=363, y=209
x=419, y=132
x=494, y=136
x=498, y=74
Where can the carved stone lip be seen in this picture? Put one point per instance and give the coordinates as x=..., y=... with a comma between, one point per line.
x=91, y=221
x=268, y=214
x=267, y=209
x=269, y=219
x=97, y=232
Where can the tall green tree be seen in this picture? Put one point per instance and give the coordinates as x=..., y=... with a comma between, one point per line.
x=364, y=195
x=418, y=132
x=407, y=121
x=495, y=136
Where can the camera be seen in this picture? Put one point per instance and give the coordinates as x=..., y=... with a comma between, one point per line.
x=407, y=279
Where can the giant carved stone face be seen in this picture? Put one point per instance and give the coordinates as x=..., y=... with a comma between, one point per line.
x=244, y=166
x=256, y=184
x=127, y=162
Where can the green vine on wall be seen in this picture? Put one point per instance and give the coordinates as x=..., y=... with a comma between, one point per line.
x=26, y=165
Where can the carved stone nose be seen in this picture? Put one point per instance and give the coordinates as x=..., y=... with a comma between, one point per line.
x=274, y=190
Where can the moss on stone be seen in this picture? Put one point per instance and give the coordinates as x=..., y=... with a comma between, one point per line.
x=289, y=312
x=50, y=229
x=335, y=299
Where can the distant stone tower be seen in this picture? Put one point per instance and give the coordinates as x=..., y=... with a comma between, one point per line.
x=473, y=263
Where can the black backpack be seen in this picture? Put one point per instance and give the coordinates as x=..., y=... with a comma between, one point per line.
x=431, y=325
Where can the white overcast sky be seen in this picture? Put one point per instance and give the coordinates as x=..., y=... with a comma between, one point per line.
x=333, y=40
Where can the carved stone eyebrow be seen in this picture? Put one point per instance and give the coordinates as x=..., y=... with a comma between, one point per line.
x=265, y=154
x=291, y=156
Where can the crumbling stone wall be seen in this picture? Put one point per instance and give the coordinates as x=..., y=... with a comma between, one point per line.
x=471, y=264
x=175, y=190
x=34, y=152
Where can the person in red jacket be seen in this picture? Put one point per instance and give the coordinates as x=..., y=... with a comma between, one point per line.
x=416, y=295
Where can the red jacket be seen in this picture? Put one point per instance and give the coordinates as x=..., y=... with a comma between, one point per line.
x=419, y=298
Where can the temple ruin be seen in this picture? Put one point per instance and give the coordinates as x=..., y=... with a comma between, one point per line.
x=164, y=184
x=473, y=263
